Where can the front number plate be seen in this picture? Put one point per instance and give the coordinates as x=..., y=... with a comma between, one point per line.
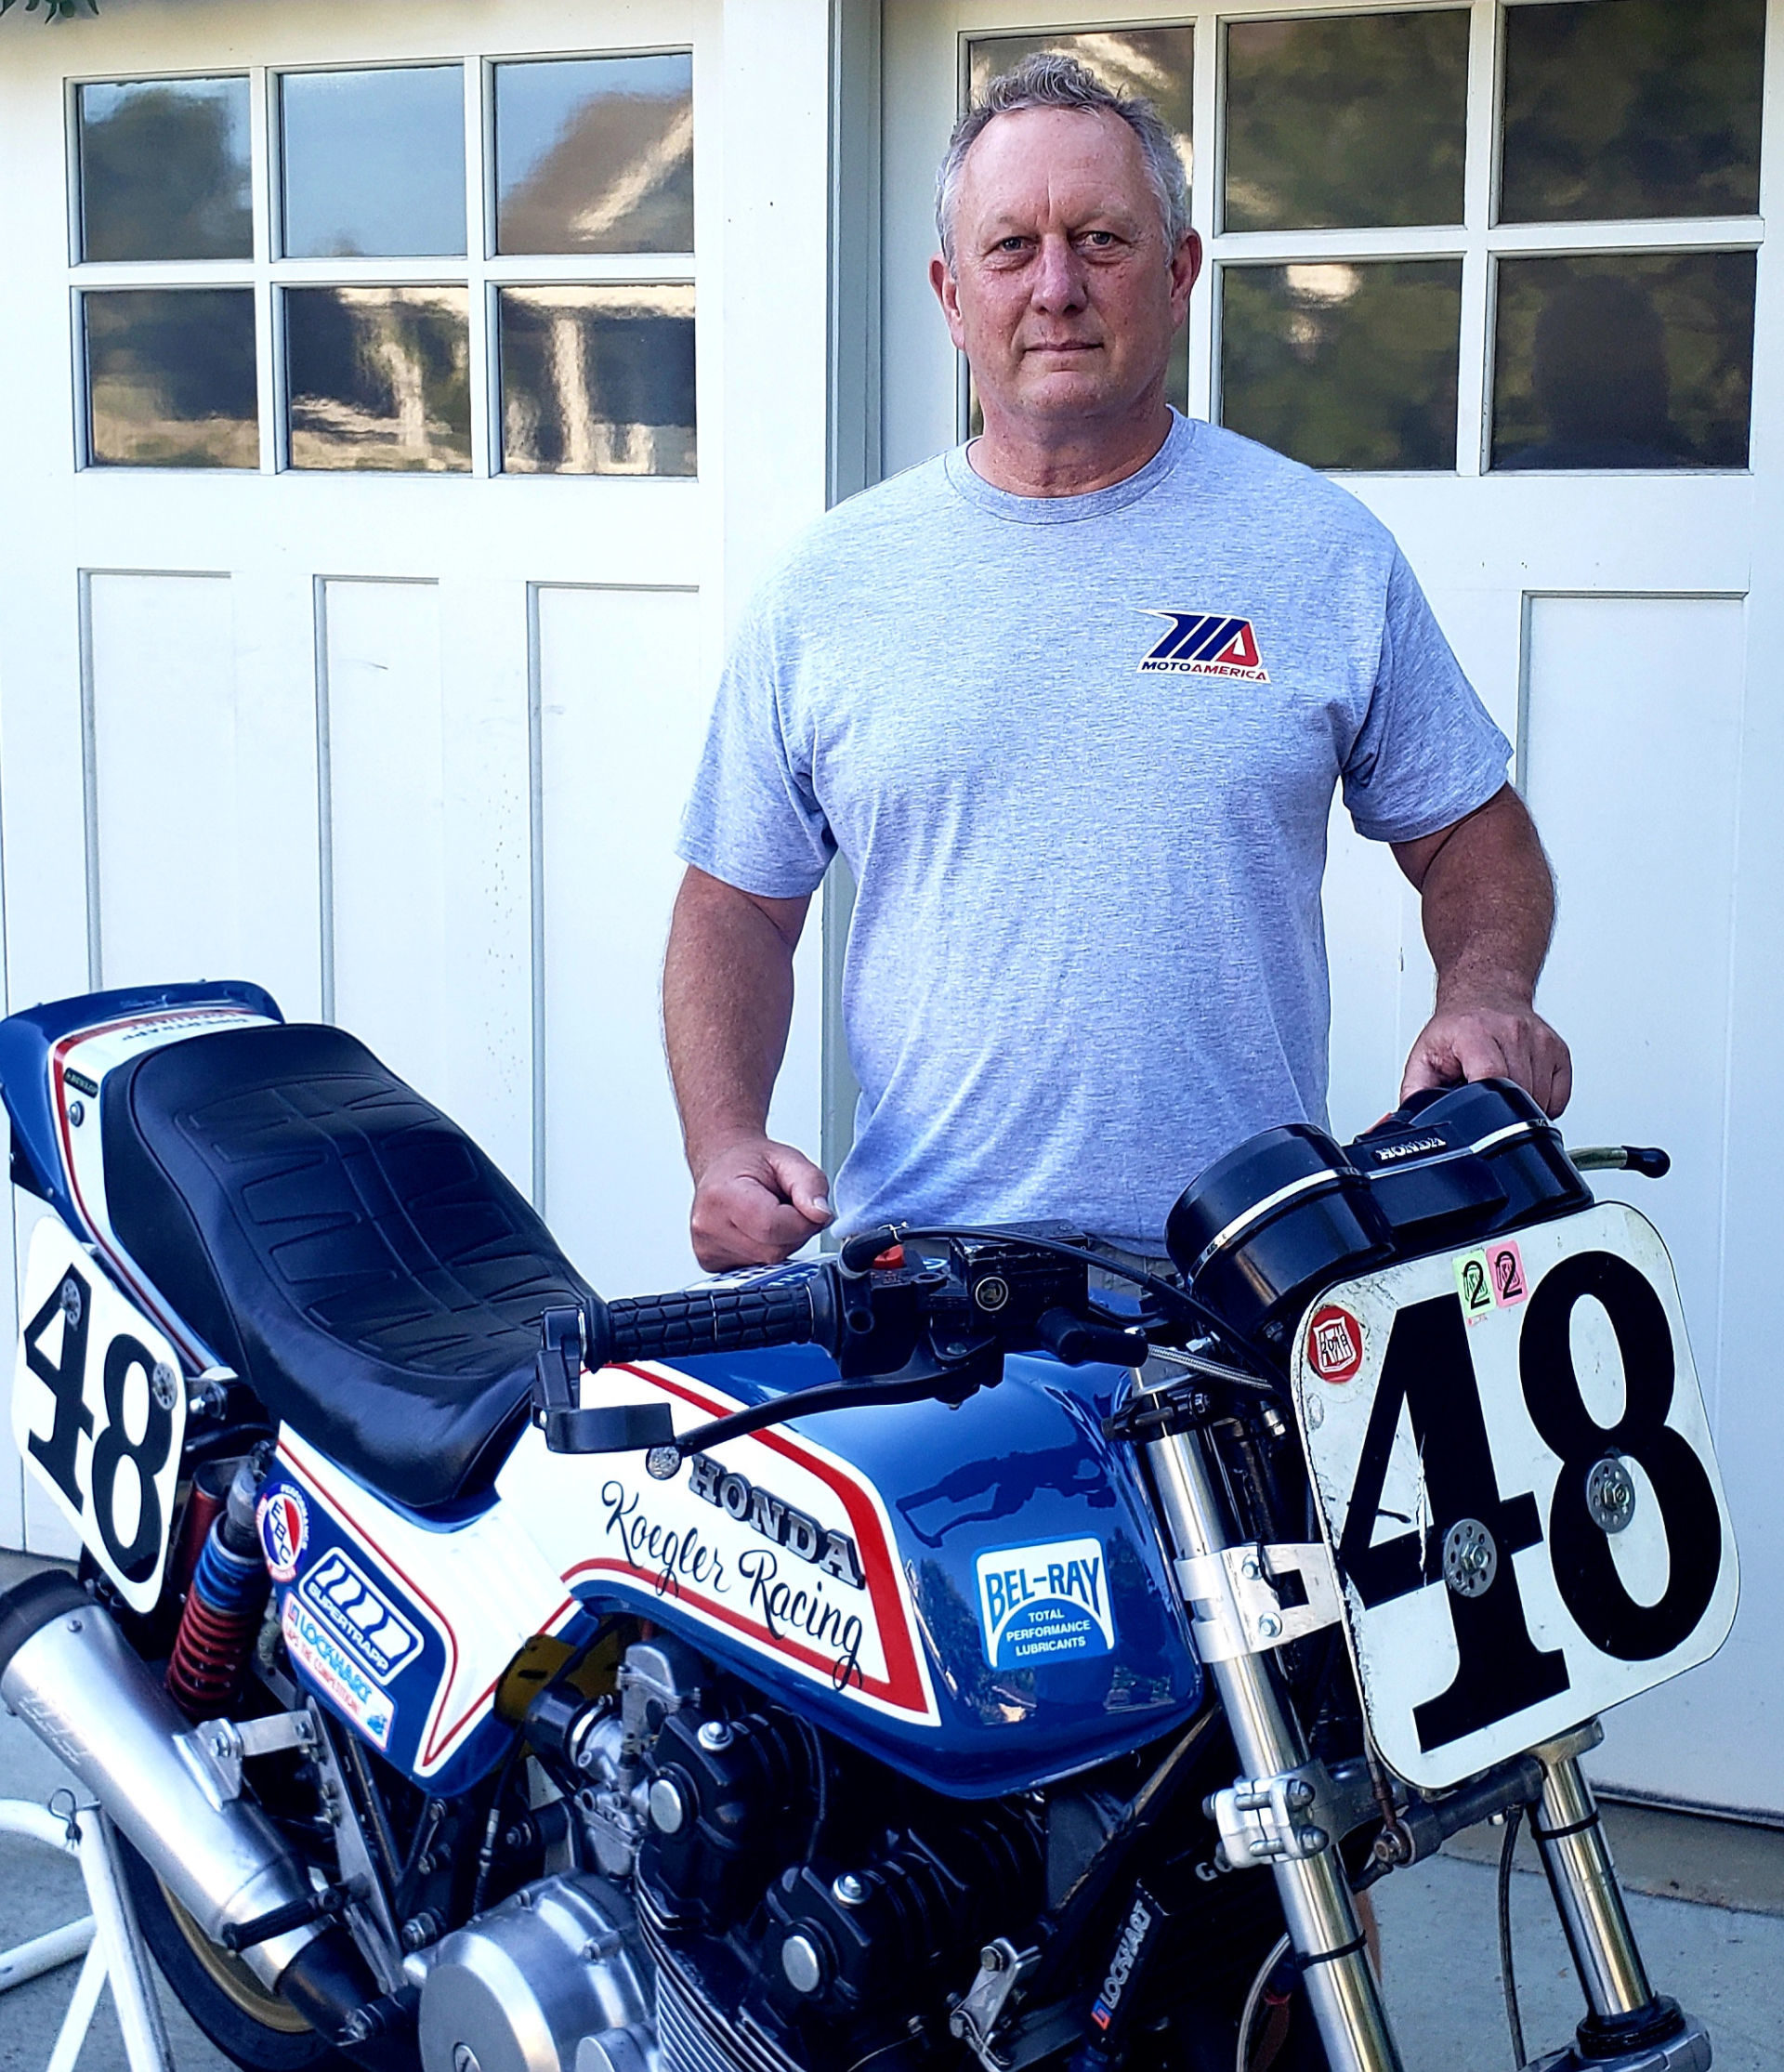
x=99, y=1412
x=1514, y=1477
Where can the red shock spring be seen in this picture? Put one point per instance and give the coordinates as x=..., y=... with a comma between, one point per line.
x=217, y=1628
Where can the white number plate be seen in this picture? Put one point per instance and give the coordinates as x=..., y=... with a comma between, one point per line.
x=1514, y=1477
x=99, y=1412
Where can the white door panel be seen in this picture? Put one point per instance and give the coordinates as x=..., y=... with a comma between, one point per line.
x=1599, y=616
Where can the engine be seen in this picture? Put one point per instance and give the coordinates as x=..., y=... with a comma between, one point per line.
x=733, y=1891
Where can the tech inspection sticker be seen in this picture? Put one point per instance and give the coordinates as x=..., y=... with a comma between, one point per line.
x=1044, y=1602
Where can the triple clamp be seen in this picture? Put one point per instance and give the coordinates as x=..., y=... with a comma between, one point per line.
x=1236, y=1605
x=1287, y=1817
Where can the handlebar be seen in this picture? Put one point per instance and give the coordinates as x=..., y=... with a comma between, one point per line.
x=1647, y=1160
x=905, y=1314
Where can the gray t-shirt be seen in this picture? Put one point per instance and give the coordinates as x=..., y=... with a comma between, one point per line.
x=1079, y=753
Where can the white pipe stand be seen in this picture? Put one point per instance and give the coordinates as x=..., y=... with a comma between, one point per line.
x=109, y=1936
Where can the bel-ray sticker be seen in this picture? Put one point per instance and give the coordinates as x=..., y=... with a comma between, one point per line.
x=1044, y=1601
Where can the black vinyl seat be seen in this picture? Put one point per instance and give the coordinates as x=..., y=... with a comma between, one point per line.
x=342, y=1244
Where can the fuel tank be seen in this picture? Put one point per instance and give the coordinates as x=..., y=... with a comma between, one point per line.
x=976, y=1594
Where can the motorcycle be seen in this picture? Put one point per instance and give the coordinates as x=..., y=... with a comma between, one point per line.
x=966, y=1647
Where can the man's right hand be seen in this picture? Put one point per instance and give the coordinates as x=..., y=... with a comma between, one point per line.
x=755, y=1202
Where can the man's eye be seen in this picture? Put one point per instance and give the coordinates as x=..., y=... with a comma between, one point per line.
x=1101, y=240
x=1012, y=244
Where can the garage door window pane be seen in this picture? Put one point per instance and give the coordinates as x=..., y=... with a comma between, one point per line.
x=1351, y=121
x=164, y=170
x=373, y=163
x=1642, y=108
x=1159, y=63
x=596, y=154
x=1344, y=366
x=379, y=377
x=597, y=380
x=1637, y=360
x=170, y=378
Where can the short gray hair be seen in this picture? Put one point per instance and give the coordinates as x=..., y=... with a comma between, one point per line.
x=1050, y=79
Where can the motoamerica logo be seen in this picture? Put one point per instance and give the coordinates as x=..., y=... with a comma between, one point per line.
x=1206, y=644
x=776, y=1519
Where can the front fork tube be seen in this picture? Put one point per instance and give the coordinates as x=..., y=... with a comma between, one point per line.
x=1629, y=2028
x=1324, y=1931
x=1627, y=2024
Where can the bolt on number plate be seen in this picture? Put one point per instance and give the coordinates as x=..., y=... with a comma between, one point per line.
x=1515, y=1477
x=99, y=1412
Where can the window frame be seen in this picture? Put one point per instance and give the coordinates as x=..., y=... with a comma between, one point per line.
x=1479, y=241
x=481, y=272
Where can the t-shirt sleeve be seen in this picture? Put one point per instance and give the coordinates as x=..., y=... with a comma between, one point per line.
x=752, y=819
x=1426, y=754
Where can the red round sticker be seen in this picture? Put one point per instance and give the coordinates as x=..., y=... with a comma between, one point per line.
x=1334, y=1343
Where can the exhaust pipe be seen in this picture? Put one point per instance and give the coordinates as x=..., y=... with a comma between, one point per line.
x=69, y=1673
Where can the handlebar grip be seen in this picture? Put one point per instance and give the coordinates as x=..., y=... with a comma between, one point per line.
x=1647, y=1160
x=710, y=1320
x=1078, y=1342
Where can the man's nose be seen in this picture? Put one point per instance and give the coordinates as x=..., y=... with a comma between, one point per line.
x=1059, y=279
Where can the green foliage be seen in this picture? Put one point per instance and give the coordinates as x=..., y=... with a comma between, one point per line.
x=55, y=11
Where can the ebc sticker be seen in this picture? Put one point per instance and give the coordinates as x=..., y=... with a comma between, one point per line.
x=284, y=1527
x=1044, y=1603
x=1334, y=1343
x=360, y=1615
x=327, y=1667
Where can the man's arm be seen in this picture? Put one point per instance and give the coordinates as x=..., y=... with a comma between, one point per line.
x=1488, y=902
x=726, y=1004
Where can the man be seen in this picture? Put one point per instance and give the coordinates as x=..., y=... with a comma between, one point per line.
x=1073, y=702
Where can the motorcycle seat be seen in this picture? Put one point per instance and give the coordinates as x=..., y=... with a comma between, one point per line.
x=341, y=1244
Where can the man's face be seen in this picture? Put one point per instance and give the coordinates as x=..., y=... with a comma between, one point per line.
x=1062, y=294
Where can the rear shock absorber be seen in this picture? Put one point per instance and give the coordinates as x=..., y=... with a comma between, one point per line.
x=221, y=1619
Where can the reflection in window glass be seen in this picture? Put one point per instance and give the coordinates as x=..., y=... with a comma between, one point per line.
x=1646, y=108
x=164, y=170
x=1159, y=63
x=378, y=377
x=170, y=378
x=1351, y=121
x=1635, y=360
x=373, y=163
x=595, y=154
x=597, y=380
x=1346, y=365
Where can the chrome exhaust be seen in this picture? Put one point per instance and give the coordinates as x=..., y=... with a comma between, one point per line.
x=68, y=1673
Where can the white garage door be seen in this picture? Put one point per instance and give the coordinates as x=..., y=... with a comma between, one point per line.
x=365, y=378
x=1499, y=266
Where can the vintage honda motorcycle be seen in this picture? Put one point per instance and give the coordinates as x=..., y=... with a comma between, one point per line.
x=919, y=1657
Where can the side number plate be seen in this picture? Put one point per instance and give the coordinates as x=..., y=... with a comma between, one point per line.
x=1514, y=1477
x=99, y=1412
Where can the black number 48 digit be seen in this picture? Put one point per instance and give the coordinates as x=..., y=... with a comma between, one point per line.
x=60, y=1451
x=1585, y=1571
x=1428, y=1370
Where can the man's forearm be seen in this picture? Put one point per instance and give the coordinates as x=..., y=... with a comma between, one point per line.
x=726, y=1006
x=1489, y=910
x=1487, y=906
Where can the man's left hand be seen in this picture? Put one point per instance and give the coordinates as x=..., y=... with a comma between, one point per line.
x=1491, y=1039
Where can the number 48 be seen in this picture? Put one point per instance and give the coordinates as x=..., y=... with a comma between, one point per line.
x=1429, y=1368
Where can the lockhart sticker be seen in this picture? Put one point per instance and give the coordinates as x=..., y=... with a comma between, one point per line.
x=326, y=1665
x=284, y=1526
x=1475, y=1284
x=1334, y=1343
x=1045, y=1601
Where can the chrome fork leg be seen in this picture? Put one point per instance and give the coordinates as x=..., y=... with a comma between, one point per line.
x=1627, y=2024
x=1324, y=1931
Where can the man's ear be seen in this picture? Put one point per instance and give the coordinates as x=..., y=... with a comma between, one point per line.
x=1186, y=267
x=942, y=279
